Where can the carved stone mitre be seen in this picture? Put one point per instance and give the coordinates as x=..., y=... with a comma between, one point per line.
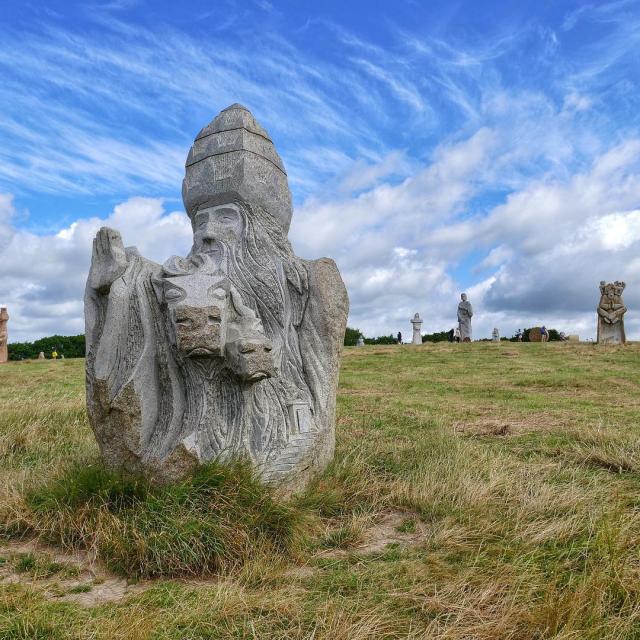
x=233, y=158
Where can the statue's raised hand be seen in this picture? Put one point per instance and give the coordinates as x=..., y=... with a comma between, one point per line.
x=108, y=260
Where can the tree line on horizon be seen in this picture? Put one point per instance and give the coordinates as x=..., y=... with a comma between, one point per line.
x=68, y=346
x=352, y=334
x=74, y=346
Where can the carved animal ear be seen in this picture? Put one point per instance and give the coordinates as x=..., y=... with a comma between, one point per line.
x=240, y=308
x=158, y=288
x=297, y=276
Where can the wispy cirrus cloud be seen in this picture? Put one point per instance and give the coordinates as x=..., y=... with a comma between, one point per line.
x=425, y=155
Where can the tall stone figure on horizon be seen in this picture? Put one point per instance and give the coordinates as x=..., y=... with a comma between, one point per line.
x=416, y=323
x=465, y=312
x=232, y=351
x=4, y=335
x=611, y=312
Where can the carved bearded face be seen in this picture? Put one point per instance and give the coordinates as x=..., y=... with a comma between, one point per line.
x=211, y=225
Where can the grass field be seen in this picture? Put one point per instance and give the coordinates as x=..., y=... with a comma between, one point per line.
x=479, y=491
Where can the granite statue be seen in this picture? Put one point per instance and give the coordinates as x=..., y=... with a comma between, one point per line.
x=360, y=342
x=611, y=312
x=465, y=313
x=231, y=351
x=495, y=335
x=416, y=323
x=4, y=335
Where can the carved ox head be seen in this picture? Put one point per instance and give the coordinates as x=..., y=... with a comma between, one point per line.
x=211, y=321
x=197, y=304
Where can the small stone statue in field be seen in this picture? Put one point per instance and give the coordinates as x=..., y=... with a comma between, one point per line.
x=231, y=351
x=495, y=335
x=611, y=310
x=4, y=335
x=465, y=313
x=416, y=323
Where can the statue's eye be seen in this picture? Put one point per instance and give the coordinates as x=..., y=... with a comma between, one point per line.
x=173, y=294
x=184, y=322
x=213, y=319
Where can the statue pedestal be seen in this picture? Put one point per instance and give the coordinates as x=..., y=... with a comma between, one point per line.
x=610, y=333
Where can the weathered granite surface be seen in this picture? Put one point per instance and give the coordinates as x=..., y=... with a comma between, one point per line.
x=416, y=323
x=231, y=351
x=611, y=312
x=4, y=335
x=465, y=313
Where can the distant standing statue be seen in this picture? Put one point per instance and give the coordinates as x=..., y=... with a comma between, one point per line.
x=399, y=337
x=41, y=355
x=611, y=310
x=416, y=321
x=495, y=336
x=360, y=342
x=4, y=335
x=231, y=351
x=465, y=313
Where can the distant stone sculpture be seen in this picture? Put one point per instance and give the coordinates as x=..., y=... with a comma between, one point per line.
x=232, y=351
x=495, y=335
x=416, y=322
x=4, y=335
x=360, y=342
x=611, y=310
x=465, y=313
x=41, y=355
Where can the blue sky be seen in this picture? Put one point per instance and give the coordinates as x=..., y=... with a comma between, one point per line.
x=431, y=147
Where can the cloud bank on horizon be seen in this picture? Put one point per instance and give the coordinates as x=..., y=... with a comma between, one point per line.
x=430, y=149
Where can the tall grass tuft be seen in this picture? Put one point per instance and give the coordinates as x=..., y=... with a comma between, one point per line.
x=207, y=524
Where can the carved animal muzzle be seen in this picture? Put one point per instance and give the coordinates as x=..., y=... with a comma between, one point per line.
x=200, y=331
x=250, y=357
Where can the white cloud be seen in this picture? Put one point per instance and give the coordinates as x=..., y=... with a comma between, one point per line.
x=44, y=275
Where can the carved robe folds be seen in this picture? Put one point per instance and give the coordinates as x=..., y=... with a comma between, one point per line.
x=231, y=351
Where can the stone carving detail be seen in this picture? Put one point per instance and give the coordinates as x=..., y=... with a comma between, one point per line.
x=611, y=312
x=4, y=335
x=465, y=312
x=416, y=322
x=232, y=350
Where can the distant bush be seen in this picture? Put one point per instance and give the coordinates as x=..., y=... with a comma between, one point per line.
x=351, y=337
x=69, y=346
x=381, y=340
x=440, y=336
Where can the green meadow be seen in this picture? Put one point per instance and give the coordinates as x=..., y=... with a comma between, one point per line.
x=478, y=491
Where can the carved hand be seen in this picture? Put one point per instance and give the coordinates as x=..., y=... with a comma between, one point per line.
x=108, y=260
